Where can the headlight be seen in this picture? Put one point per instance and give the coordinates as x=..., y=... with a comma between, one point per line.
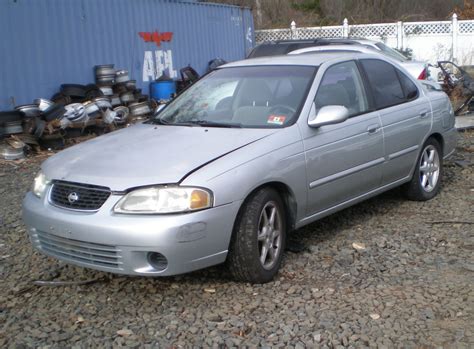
x=39, y=185
x=164, y=200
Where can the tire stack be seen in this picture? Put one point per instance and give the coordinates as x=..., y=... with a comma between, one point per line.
x=140, y=110
x=122, y=91
x=10, y=127
x=75, y=110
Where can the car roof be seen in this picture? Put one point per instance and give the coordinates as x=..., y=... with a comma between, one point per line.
x=281, y=47
x=323, y=40
x=311, y=59
x=351, y=48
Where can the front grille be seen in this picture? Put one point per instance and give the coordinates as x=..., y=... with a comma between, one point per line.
x=79, y=251
x=78, y=196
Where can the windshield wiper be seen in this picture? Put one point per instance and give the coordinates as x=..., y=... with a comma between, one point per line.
x=160, y=121
x=206, y=123
x=200, y=123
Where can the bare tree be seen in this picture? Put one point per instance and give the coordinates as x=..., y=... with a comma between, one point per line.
x=370, y=11
x=258, y=12
x=280, y=13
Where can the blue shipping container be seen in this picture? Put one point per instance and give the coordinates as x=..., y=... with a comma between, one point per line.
x=46, y=43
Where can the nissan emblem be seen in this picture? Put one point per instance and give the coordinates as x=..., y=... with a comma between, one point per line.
x=72, y=197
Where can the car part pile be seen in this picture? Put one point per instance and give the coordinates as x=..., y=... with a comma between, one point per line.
x=459, y=85
x=188, y=77
x=76, y=110
x=12, y=148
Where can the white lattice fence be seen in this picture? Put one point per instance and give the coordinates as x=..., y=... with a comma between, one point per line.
x=272, y=35
x=427, y=28
x=373, y=30
x=466, y=27
x=430, y=41
x=319, y=32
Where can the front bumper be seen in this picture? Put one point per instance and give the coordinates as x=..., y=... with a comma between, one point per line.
x=122, y=244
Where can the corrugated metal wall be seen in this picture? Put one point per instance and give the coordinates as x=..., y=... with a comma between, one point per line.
x=48, y=42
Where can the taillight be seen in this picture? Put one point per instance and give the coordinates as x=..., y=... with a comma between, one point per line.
x=423, y=75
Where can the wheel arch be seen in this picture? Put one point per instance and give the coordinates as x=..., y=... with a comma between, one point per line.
x=240, y=257
x=439, y=138
x=287, y=196
x=414, y=190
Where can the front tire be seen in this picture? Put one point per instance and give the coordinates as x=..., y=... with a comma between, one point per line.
x=425, y=183
x=259, y=238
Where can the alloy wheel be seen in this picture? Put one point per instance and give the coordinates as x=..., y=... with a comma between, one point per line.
x=269, y=235
x=429, y=168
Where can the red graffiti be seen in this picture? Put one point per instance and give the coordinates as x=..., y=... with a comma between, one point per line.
x=156, y=37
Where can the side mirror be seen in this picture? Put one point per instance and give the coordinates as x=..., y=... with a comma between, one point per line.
x=328, y=115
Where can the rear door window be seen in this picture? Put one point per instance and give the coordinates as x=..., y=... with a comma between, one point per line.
x=410, y=89
x=384, y=83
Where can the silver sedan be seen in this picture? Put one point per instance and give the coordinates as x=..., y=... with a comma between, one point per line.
x=248, y=154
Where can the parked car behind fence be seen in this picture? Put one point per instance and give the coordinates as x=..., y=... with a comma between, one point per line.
x=419, y=70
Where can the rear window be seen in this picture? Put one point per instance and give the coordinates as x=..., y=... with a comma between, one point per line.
x=384, y=83
x=391, y=52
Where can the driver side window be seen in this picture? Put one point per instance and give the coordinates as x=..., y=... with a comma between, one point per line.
x=342, y=85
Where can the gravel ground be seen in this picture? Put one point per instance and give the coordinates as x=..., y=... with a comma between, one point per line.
x=385, y=273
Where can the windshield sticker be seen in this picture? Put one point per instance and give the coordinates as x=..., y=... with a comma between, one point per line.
x=276, y=119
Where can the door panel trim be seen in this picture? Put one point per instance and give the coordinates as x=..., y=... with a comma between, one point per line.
x=350, y=202
x=402, y=152
x=346, y=173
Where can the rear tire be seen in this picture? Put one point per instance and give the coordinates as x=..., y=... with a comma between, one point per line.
x=259, y=238
x=425, y=183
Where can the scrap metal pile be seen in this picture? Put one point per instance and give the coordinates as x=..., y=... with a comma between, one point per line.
x=459, y=85
x=76, y=110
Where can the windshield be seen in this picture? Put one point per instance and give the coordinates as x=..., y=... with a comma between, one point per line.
x=263, y=96
x=391, y=52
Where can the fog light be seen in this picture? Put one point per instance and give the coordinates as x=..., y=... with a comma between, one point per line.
x=157, y=260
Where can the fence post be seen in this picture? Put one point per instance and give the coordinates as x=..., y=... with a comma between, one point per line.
x=400, y=35
x=294, y=31
x=455, y=28
x=345, y=28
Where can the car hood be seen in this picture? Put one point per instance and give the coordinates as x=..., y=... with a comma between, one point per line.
x=147, y=154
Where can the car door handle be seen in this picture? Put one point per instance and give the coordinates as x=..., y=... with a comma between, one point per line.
x=424, y=114
x=373, y=128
